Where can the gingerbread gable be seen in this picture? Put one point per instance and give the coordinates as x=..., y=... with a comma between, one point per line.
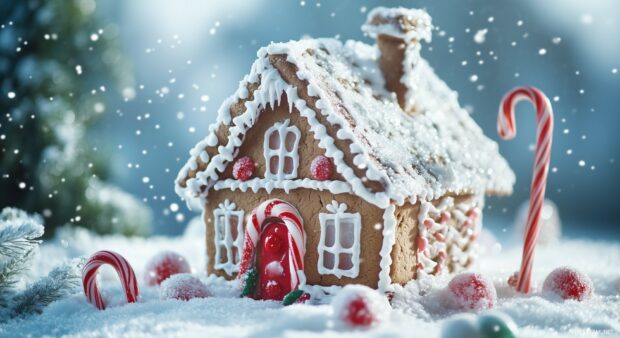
x=383, y=153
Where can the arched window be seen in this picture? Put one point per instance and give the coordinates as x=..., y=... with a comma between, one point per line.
x=339, y=244
x=280, y=149
x=228, y=237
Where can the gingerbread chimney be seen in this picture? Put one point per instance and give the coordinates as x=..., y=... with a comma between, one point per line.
x=398, y=32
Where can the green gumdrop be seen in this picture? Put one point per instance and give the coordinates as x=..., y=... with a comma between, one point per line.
x=497, y=325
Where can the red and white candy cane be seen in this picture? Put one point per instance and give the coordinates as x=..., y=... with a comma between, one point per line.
x=296, y=237
x=544, y=134
x=123, y=269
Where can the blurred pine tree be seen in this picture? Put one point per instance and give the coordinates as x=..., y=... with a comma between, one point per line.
x=57, y=63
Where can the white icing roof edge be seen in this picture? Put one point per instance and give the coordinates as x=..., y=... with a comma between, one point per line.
x=438, y=150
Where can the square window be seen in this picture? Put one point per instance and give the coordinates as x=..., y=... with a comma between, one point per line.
x=228, y=237
x=339, y=244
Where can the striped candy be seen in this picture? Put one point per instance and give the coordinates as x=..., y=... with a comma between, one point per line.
x=123, y=269
x=296, y=239
x=507, y=130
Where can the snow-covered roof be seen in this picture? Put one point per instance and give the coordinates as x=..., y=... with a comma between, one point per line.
x=438, y=149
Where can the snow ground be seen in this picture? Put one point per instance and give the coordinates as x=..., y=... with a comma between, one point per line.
x=226, y=315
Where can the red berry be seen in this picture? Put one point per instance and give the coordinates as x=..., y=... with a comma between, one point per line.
x=569, y=283
x=471, y=291
x=360, y=306
x=183, y=287
x=164, y=265
x=243, y=168
x=321, y=168
x=303, y=298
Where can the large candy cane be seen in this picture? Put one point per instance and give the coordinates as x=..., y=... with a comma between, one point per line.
x=123, y=269
x=507, y=130
x=296, y=239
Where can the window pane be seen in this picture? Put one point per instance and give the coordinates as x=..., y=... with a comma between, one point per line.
x=347, y=233
x=235, y=255
x=234, y=222
x=273, y=165
x=274, y=140
x=290, y=141
x=220, y=223
x=330, y=233
x=328, y=260
x=346, y=261
x=223, y=255
x=288, y=165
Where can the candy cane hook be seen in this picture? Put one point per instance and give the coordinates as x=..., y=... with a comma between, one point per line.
x=544, y=134
x=123, y=269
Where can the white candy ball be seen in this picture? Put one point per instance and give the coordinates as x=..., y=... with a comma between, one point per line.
x=550, y=224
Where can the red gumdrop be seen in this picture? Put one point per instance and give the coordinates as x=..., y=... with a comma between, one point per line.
x=569, y=283
x=164, y=265
x=243, y=168
x=183, y=287
x=471, y=291
x=358, y=313
x=360, y=306
x=321, y=168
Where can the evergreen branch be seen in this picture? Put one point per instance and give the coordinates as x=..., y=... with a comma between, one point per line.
x=18, y=232
x=9, y=271
x=56, y=285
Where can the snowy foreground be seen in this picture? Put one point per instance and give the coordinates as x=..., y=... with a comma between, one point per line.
x=226, y=315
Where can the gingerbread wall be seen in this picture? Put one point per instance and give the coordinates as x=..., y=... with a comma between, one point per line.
x=404, y=266
x=310, y=204
x=252, y=145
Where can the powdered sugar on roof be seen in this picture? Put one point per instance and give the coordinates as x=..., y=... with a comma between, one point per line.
x=437, y=150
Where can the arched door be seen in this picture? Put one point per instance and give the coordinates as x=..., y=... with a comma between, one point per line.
x=274, y=274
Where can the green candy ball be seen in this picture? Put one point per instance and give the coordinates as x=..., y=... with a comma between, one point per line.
x=497, y=325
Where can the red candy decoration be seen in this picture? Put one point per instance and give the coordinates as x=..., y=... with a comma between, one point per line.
x=123, y=269
x=358, y=314
x=360, y=306
x=243, y=168
x=569, y=283
x=183, y=287
x=321, y=168
x=164, y=265
x=471, y=291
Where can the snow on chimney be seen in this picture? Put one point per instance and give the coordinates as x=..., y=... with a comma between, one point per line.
x=398, y=32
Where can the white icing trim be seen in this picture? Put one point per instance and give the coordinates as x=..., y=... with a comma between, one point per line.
x=389, y=238
x=281, y=153
x=337, y=215
x=256, y=184
x=226, y=210
x=268, y=94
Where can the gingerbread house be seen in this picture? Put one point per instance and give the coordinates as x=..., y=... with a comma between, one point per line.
x=337, y=163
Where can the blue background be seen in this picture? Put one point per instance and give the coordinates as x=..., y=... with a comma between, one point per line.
x=189, y=55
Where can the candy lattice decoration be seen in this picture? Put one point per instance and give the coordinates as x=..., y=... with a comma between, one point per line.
x=445, y=233
x=282, y=210
x=544, y=133
x=123, y=269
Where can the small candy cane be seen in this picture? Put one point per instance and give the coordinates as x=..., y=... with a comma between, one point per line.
x=123, y=269
x=507, y=130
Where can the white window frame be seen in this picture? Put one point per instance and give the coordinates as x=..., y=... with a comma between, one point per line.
x=336, y=214
x=283, y=129
x=227, y=209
